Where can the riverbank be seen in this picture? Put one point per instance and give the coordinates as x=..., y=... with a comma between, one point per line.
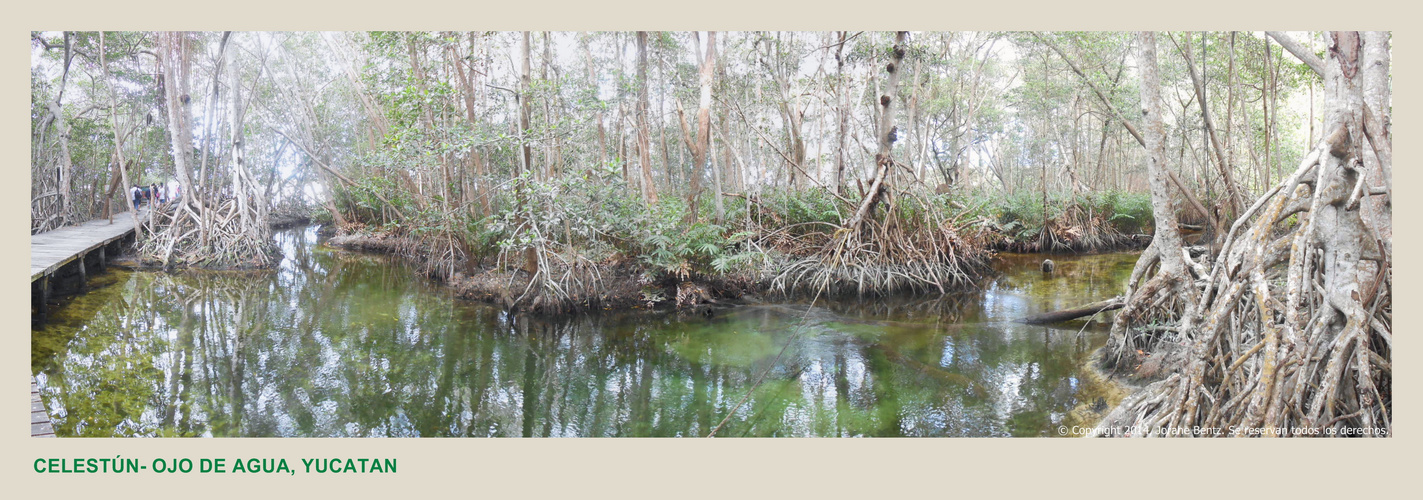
x=1088, y=222
x=129, y=258
x=566, y=244
x=612, y=286
x=634, y=279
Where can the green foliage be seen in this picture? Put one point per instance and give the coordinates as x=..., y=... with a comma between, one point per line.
x=1092, y=221
x=321, y=216
x=800, y=212
x=682, y=250
x=667, y=245
x=1129, y=212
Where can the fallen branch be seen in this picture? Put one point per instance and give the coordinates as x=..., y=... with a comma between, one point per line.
x=1074, y=313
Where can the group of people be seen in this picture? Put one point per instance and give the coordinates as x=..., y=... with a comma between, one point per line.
x=150, y=193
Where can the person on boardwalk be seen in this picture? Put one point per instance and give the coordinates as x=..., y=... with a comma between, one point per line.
x=137, y=195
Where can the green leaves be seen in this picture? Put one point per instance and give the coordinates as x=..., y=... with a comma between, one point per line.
x=672, y=250
x=709, y=249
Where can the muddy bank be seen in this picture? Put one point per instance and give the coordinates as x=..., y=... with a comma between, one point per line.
x=616, y=286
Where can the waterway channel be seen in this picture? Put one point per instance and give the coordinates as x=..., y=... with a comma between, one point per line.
x=334, y=343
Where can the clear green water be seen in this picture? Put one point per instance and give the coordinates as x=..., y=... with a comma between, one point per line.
x=342, y=344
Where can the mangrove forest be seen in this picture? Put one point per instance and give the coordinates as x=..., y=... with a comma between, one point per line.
x=765, y=233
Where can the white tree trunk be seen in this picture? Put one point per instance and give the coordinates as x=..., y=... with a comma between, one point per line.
x=1168, y=237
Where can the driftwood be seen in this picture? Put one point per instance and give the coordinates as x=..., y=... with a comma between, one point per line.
x=1074, y=313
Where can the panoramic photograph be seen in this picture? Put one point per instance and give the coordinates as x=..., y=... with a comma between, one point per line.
x=711, y=234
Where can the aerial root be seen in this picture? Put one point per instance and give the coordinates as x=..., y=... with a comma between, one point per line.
x=229, y=235
x=920, y=251
x=1291, y=334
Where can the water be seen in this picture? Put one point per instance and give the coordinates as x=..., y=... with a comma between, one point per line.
x=341, y=344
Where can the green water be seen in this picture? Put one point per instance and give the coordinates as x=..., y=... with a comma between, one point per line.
x=341, y=344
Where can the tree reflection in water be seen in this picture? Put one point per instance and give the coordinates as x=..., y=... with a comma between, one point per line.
x=340, y=344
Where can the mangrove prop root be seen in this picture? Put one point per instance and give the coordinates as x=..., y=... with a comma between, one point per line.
x=192, y=233
x=1291, y=334
x=921, y=251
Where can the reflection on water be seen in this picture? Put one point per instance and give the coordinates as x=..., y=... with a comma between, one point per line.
x=340, y=344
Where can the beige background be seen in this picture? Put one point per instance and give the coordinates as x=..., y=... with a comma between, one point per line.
x=756, y=468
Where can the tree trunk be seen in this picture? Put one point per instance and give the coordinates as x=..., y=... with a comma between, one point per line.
x=1167, y=235
x=700, y=144
x=1267, y=108
x=884, y=161
x=1230, y=105
x=1378, y=126
x=468, y=80
x=525, y=106
x=1165, y=247
x=1237, y=200
x=1321, y=336
x=717, y=182
x=239, y=187
x=118, y=137
x=65, y=169
x=644, y=148
x=1074, y=313
x=206, y=139
x=593, y=81
x=531, y=257
x=175, y=70
x=703, y=120
x=842, y=114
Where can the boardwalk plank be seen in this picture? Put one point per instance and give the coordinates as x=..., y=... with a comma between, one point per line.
x=41, y=430
x=53, y=249
x=39, y=417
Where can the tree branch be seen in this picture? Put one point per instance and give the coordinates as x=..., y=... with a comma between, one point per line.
x=1103, y=97
x=1304, y=55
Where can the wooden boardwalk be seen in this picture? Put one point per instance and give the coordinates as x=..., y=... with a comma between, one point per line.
x=75, y=250
x=51, y=250
x=39, y=417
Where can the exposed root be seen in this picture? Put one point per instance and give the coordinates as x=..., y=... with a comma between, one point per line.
x=922, y=251
x=227, y=235
x=1076, y=229
x=1291, y=331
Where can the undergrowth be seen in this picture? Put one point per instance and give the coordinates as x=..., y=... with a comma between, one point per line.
x=1092, y=222
x=565, y=236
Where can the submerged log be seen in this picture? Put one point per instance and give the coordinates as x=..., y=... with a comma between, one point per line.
x=1068, y=314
